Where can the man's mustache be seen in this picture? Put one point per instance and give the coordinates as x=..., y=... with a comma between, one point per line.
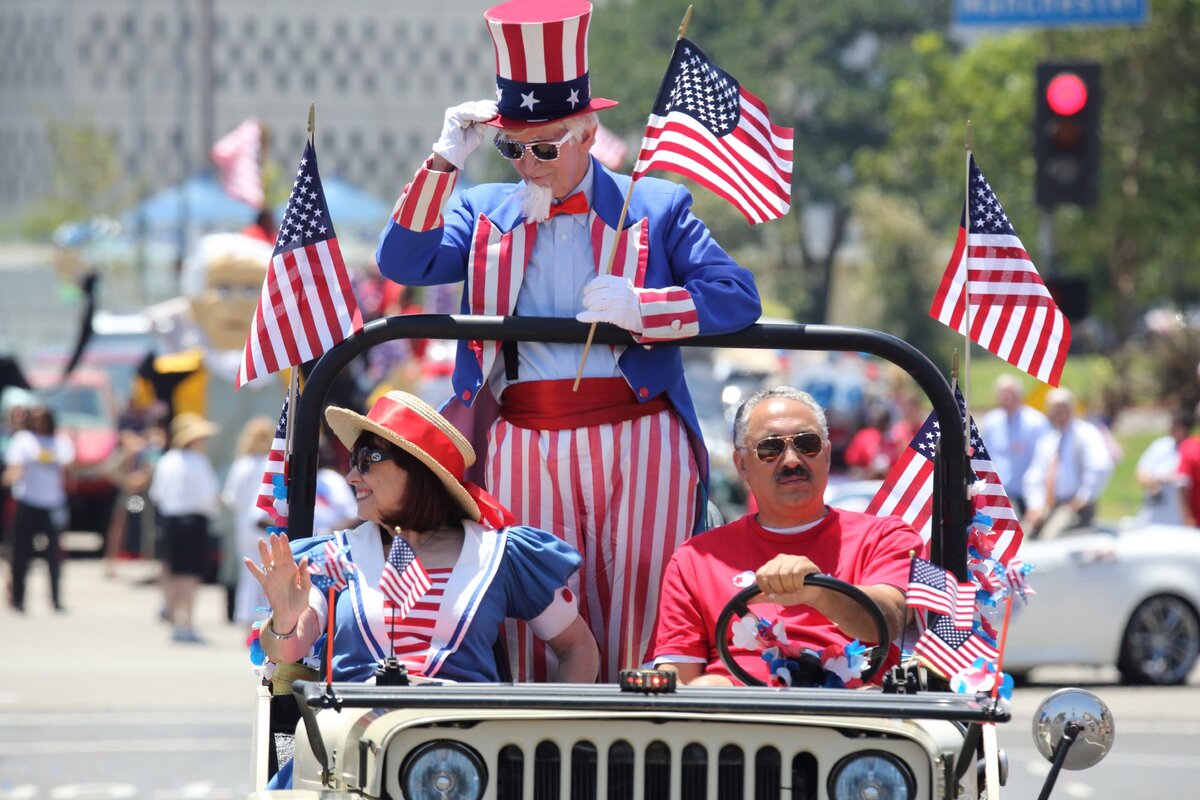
x=798, y=471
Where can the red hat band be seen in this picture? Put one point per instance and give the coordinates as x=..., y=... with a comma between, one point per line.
x=415, y=428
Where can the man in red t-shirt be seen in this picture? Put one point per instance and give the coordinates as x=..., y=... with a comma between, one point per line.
x=1189, y=470
x=782, y=450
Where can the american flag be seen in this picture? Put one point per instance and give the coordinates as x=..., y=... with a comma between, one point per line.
x=237, y=155
x=933, y=588
x=707, y=127
x=949, y=649
x=907, y=491
x=329, y=568
x=609, y=149
x=274, y=479
x=307, y=304
x=1012, y=312
x=404, y=580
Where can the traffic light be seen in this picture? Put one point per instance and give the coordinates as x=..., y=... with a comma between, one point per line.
x=1066, y=133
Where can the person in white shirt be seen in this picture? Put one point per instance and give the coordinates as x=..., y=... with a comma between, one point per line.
x=185, y=491
x=1010, y=432
x=1070, y=467
x=36, y=462
x=1158, y=473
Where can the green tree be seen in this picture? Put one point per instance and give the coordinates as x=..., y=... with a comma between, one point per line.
x=823, y=68
x=1139, y=245
x=85, y=178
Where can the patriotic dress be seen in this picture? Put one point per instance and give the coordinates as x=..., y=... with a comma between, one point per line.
x=515, y=572
x=625, y=493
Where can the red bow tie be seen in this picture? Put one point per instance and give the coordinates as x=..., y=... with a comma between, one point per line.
x=575, y=204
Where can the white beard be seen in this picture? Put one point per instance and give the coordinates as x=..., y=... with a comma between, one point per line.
x=535, y=202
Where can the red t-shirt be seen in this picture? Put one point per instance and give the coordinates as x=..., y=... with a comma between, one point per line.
x=709, y=569
x=1189, y=467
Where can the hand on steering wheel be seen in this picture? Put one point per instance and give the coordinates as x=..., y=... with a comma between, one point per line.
x=738, y=605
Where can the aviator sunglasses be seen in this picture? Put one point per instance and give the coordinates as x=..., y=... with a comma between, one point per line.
x=363, y=456
x=542, y=151
x=772, y=447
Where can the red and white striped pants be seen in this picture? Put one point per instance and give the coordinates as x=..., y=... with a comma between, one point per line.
x=624, y=495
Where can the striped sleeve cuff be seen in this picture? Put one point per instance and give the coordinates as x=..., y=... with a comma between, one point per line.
x=667, y=314
x=420, y=205
x=557, y=617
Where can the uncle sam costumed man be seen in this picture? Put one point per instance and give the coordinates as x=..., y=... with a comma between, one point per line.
x=618, y=468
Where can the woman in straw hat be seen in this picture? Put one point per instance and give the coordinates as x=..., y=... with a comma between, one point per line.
x=185, y=492
x=433, y=571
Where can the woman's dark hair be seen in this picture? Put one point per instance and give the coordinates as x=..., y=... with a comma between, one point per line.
x=41, y=420
x=427, y=504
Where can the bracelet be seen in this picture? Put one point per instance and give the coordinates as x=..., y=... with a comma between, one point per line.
x=270, y=628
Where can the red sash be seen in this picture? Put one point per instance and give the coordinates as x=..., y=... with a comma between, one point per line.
x=552, y=406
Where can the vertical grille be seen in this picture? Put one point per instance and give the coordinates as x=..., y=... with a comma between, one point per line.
x=658, y=770
x=547, y=771
x=693, y=779
x=767, y=764
x=510, y=772
x=583, y=771
x=620, y=771
x=804, y=776
x=731, y=772
x=771, y=779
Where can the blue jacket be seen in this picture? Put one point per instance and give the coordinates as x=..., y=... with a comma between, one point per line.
x=669, y=247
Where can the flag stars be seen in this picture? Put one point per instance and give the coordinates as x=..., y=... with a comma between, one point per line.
x=528, y=100
x=573, y=98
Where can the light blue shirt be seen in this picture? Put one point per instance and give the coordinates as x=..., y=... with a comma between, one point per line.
x=560, y=265
x=1010, y=439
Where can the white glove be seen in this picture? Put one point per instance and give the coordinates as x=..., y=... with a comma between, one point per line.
x=462, y=132
x=610, y=298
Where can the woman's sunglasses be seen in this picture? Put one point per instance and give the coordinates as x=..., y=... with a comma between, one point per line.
x=363, y=456
x=772, y=447
x=542, y=151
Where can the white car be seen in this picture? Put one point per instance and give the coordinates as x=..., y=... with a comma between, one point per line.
x=1126, y=596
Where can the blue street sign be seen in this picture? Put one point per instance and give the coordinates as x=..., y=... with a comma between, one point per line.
x=1050, y=13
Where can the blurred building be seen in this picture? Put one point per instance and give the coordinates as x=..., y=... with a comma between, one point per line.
x=164, y=78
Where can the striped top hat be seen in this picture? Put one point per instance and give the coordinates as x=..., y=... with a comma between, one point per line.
x=541, y=61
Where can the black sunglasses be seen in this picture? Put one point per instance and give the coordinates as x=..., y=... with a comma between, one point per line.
x=363, y=456
x=772, y=447
x=542, y=151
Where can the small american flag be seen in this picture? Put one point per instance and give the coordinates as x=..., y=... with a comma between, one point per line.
x=238, y=156
x=950, y=650
x=707, y=127
x=404, y=580
x=609, y=149
x=272, y=490
x=907, y=491
x=1012, y=312
x=307, y=304
x=329, y=568
x=935, y=589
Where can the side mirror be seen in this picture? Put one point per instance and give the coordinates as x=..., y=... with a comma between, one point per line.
x=1078, y=720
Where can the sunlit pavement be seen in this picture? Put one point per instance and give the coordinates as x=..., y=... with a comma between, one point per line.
x=110, y=650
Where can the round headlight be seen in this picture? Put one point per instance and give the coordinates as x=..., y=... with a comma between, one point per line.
x=443, y=770
x=871, y=775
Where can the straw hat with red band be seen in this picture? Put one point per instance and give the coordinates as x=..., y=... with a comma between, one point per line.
x=541, y=61
x=413, y=425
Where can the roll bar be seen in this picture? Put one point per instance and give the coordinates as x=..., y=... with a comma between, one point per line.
x=948, y=545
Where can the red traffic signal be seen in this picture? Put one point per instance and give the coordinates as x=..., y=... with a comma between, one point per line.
x=1066, y=94
x=1066, y=141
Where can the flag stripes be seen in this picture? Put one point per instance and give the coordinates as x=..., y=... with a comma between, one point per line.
x=707, y=127
x=1012, y=313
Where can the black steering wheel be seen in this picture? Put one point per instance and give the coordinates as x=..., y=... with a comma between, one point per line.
x=738, y=604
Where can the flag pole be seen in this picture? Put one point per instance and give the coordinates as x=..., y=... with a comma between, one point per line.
x=294, y=371
x=966, y=383
x=612, y=253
